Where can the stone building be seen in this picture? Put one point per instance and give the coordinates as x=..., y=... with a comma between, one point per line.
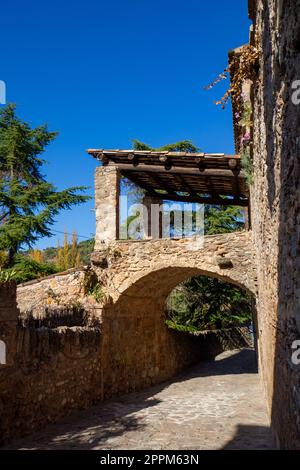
x=275, y=207
x=270, y=68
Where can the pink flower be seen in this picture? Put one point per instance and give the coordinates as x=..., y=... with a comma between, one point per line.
x=246, y=138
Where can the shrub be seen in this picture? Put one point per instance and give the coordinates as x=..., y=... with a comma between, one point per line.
x=26, y=269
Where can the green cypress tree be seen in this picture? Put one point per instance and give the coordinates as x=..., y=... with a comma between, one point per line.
x=28, y=203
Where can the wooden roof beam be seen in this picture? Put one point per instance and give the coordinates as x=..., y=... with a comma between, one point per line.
x=178, y=170
x=203, y=200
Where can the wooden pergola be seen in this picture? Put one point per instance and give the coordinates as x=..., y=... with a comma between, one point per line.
x=180, y=176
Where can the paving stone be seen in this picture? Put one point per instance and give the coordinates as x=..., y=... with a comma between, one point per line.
x=214, y=405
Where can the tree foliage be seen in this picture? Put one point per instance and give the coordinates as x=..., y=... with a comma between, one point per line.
x=28, y=203
x=26, y=269
x=207, y=303
x=50, y=254
x=37, y=255
x=222, y=219
x=68, y=256
x=203, y=303
x=181, y=146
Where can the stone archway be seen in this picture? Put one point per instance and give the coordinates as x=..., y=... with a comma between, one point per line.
x=138, y=350
x=229, y=257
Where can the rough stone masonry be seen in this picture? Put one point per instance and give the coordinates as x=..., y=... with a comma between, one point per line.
x=134, y=349
x=54, y=365
x=275, y=202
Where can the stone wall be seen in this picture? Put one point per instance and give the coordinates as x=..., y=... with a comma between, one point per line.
x=148, y=268
x=61, y=291
x=275, y=201
x=140, y=351
x=53, y=370
x=48, y=371
x=8, y=323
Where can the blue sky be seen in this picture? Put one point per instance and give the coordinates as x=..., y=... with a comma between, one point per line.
x=104, y=72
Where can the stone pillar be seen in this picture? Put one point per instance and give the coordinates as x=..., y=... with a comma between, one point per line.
x=152, y=217
x=107, y=190
x=247, y=217
x=8, y=323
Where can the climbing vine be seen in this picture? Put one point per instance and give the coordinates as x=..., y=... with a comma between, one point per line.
x=247, y=165
x=243, y=65
x=246, y=123
x=242, y=68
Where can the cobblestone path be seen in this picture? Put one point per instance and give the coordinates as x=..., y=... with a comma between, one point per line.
x=214, y=405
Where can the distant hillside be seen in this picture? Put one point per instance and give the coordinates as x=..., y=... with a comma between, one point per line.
x=85, y=249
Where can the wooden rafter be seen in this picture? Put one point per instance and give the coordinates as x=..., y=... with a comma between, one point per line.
x=186, y=185
x=160, y=183
x=202, y=199
x=178, y=170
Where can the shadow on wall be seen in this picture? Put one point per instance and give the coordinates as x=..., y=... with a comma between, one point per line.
x=280, y=70
x=243, y=362
x=251, y=438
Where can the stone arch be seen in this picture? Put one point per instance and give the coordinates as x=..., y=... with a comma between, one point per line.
x=161, y=280
x=228, y=257
x=138, y=349
x=2, y=352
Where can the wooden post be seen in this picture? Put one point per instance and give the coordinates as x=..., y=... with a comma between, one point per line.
x=152, y=217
